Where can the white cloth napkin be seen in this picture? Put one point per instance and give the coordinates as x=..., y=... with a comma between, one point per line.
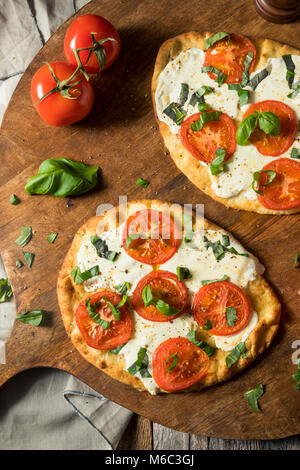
x=44, y=414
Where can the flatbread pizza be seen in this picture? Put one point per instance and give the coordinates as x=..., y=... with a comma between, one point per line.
x=163, y=300
x=228, y=109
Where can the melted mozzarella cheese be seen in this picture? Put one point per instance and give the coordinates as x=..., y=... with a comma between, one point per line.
x=227, y=343
x=186, y=68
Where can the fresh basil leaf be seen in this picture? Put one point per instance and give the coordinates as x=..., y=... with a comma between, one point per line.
x=198, y=96
x=236, y=353
x=141, y=364
x=256, y=177
x=29, y=257
x=234, y=86
x=211, y=281
x=203, y=107
x=165, y=308
x=114, y=309
x=33, y=317
x=297, y=261
x=296, y=377
x=217, y=165
x=255, y=81
x=225, y=240
x=14, y=200
x=51, y=237
x=221, y=77
x=290, y=73
x=244, y=96
x=25, y=237
x=209, y=350
x=295, y=153
x=188, y=227
x=245, y=129
x=296, y=89
x=102, y=249
x=147, y=296
x=5, y=290
x=252, y=397
x=142, y=183
x=184, y=92
x=269, y=123
x=174, y=362
x=117, y=349
x=233, y=251
x=62, y=177
x=247, y=63
x=204, y=118
x=208, y=325
x=92, y=310
x=219, y=250
x=231, y=316
x=213, y=39
x=183, y=273
x=19, y=263
x=79, y=277
x=175, y=112
x=123, y=289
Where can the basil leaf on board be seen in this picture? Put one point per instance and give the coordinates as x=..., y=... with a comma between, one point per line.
x=184, y=92
x=51, y=237
x=175, y=112
x=5, y=290
x=123, y=289
x=62, y=177
x=215, y=38
x=209, y=350
x=174, y=362
x=255, y=81
x=142, y=183
x=141, y=364
x=165, y=308
x=25, y=237
x=198, y=96
x=243, y=96
x=188, y=227
x=147, y=296
x=296, y=377
x=256, y=178
x=297, y=261
x=221, y=77
x=91, y=308
x=183, y=273
x=217, y=165
x=296, y=89
x=247, y=63
x=204, y=118
x=208, y=325
x=269, y=123
x=33, y=317
x=117, y=349
x=290, y=73
x=230, y=316
x=245, y=129
x=211, y=281
x=295, y=153
x=79, y=277
x=29, y=257
x=19, y=263
x=14, y=200
x=236, y=353
x=102, y=248
x=252, y=397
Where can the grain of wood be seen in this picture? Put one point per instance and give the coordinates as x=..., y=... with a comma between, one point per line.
x=138, y=435
x=169, y=439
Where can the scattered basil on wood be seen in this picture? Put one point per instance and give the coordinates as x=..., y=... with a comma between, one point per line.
x=296, y=377
x=220, y=76
x=175, y=112
x=239, y=351
x=6, y=292
x=217, y=165
x=33, y=317
x=19, y=263
x=62, y=177
x=211, y=281
x=14, y=200
x=174, y=362
x=208, y=325
x=92, y=311
x=297, y=261
x=51, y=237
x=141, y=364
x=252, y=397
x=25, y=237
x=117, y=349
x=256, y=177
x=142, y=183
x=259, y=77
x=230, y=316
x=29, y=257
x=184, y=92
x=209, y=350
x=183, y=273
x=290, y=73
x=204, y=118
x=295, y=153
x=123, y=289
x=102, y=248
x=79, y=277
x=215, y=38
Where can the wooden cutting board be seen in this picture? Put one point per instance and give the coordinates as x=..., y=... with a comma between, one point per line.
x=121, y=136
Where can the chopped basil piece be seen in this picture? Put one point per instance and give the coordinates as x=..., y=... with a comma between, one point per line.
x=14, y=200
x=184, y=92
x=208, y=325
x=296, y=377
x=209, y=350
x=211, y=281
x=175, y=112
x=254, y=81
x=91, y=308
x=290, y=73
x=198, y=96
x=252, y=397
x=296, y=89
x=244, y=96
x=256, y=176
x=102, y=248
x=142, y=183
x=132, y=237
x=51, y=237
x=233, y=357
x=25, y=237
x=220, y=250
x=114, y=308
x=225, y=240
x=141, y=364
x=5, y=290
x=203, y=107
x=217, y=165
x=79, y=277
x=183, y=273
x=213, y=39
x=247, y=63
x=295, y=153
x=174, y=362
x=221, y=77
x=231, y=316
x=19, y=263
x=297, y=261
x=122, y=289
x=234, y=86
x=204, y=118
x=161, y=306
x=117, y=349
x=188, y=227
x=33, y=317
x=29, y=257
